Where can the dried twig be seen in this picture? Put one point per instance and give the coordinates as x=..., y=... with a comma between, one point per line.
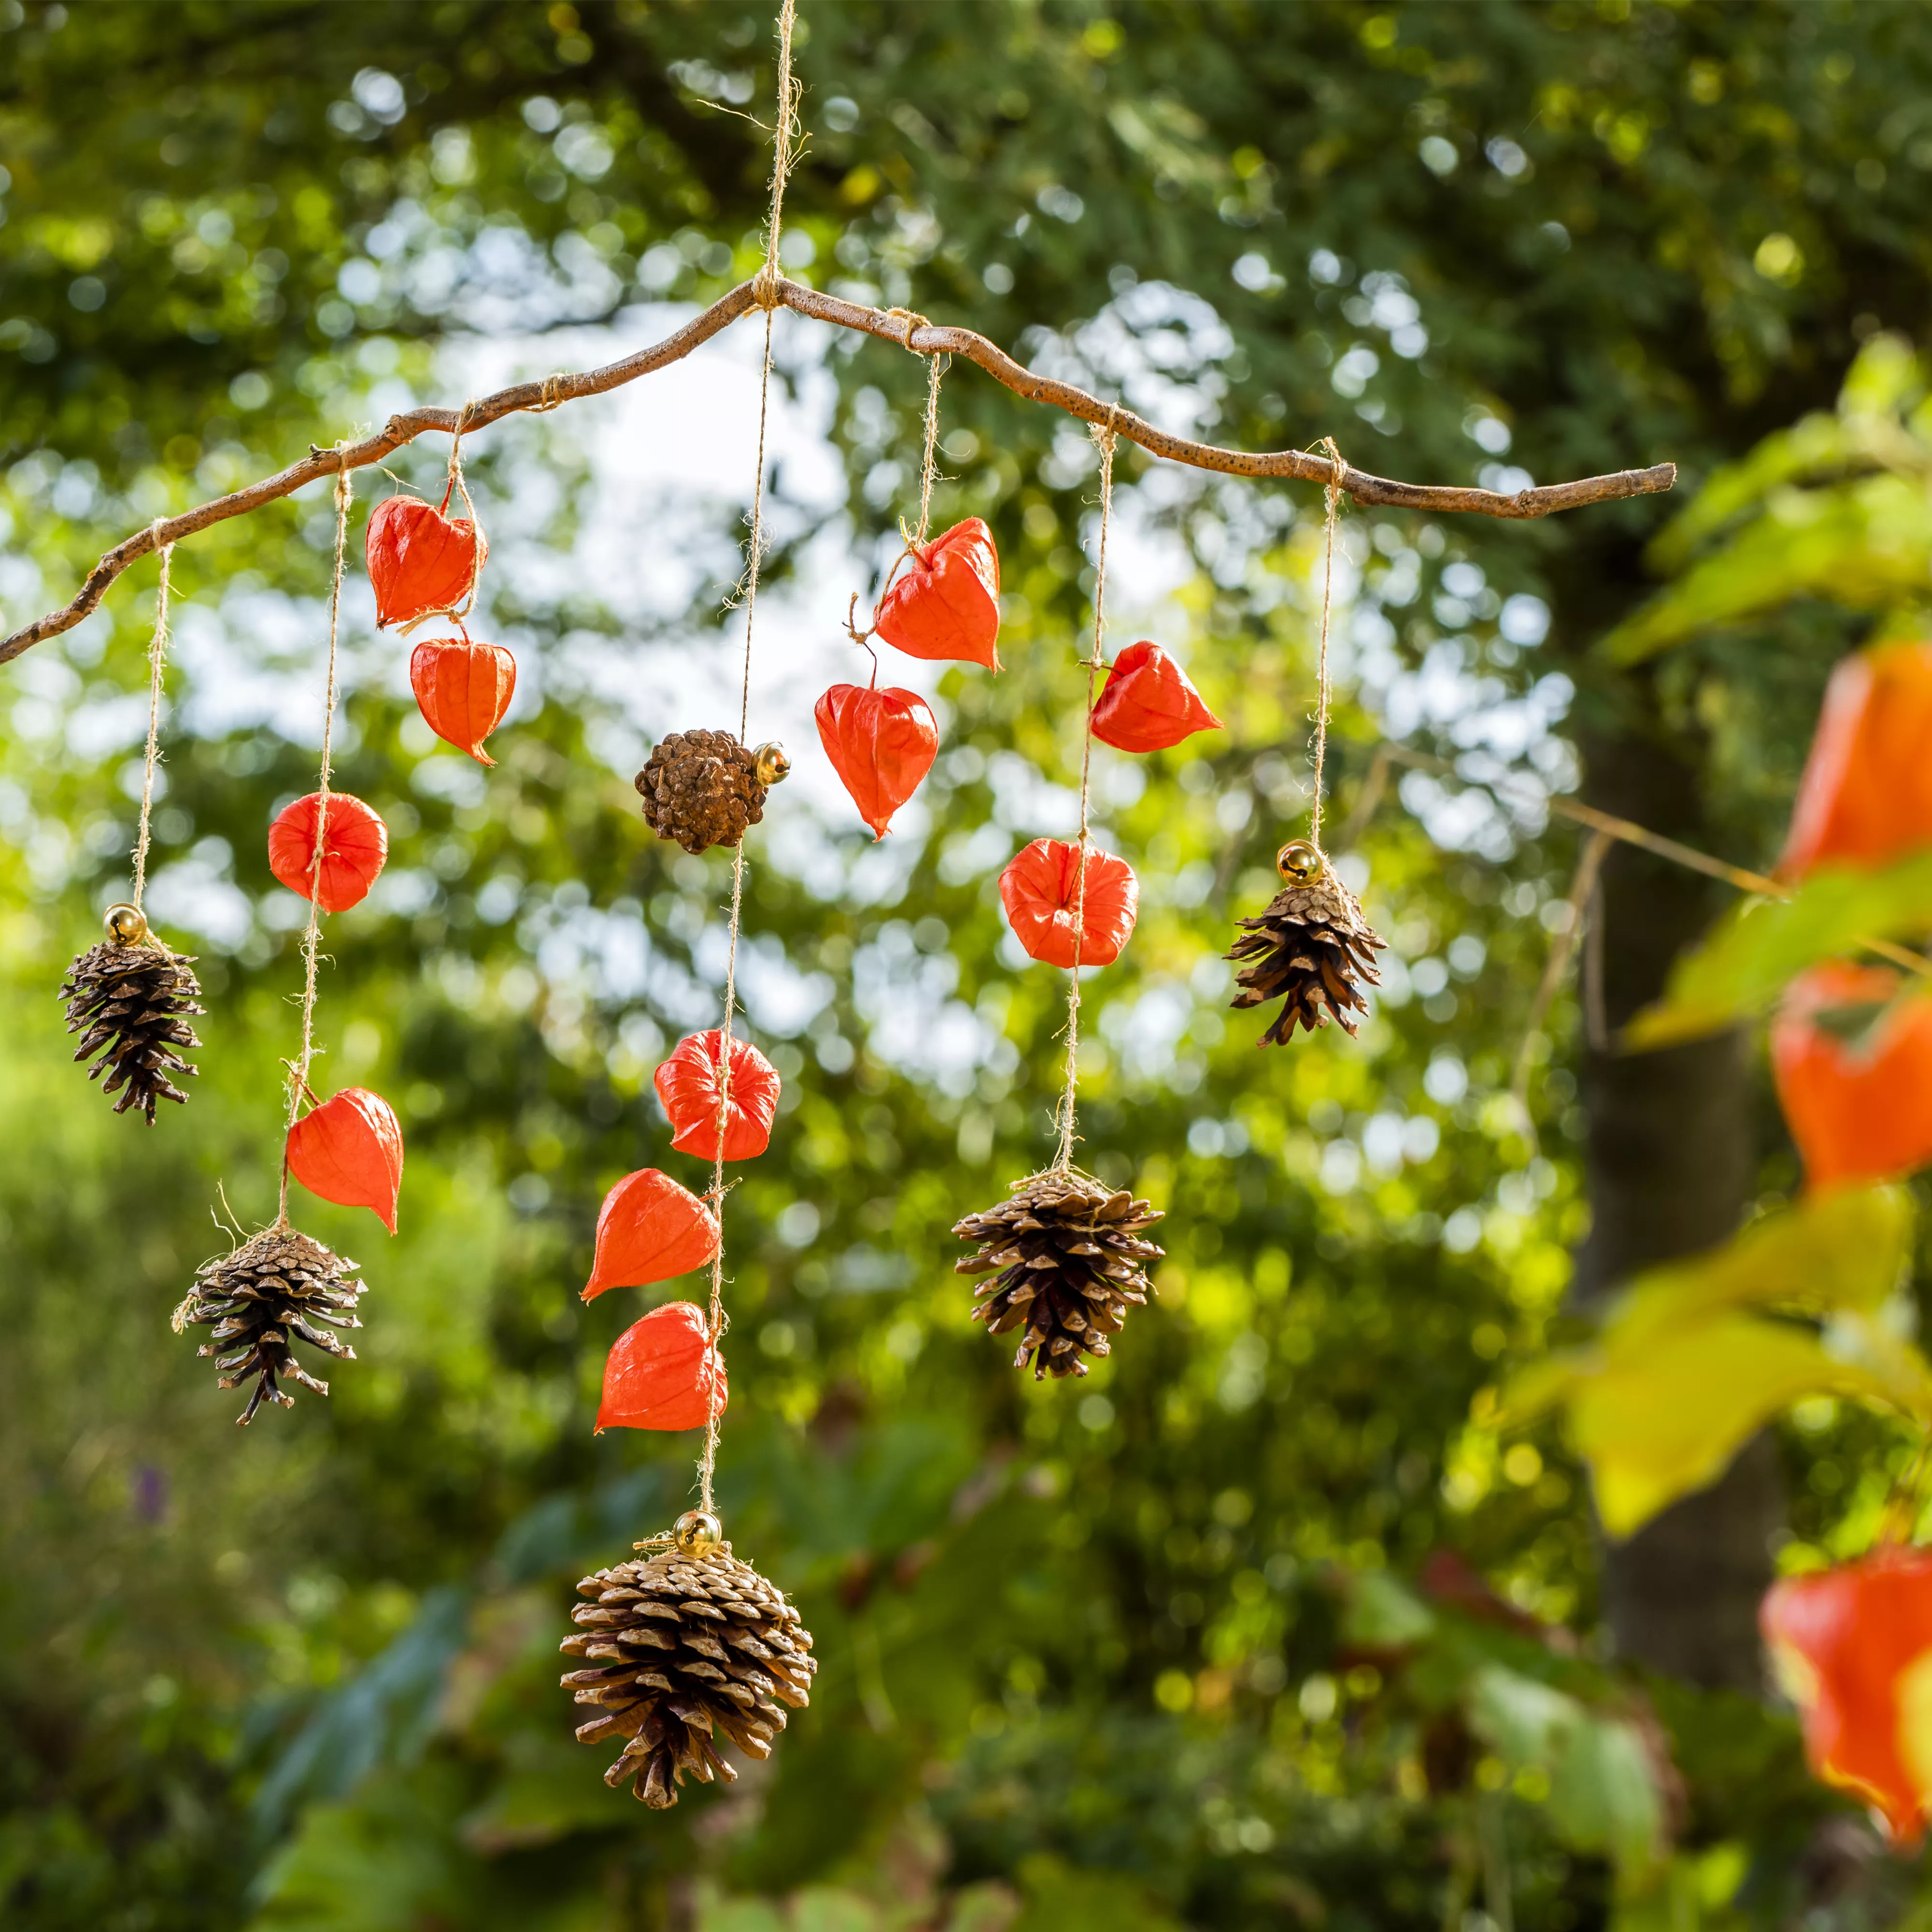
x=924, y=339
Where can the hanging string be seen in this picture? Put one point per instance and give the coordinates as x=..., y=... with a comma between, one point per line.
x=1582, y=893
x=1062, y=1159
x=935, y=368
x=1322, y=660
x=783, y=142
x=299, y=1070
x=157, y=658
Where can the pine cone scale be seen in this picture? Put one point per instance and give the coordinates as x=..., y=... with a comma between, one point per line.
x=701, y=789
x=128, y=1001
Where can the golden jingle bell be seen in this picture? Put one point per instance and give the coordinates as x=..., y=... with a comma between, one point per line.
x=770, y=762
x=1299, y=861
x=697, y=1533
x=127, y=925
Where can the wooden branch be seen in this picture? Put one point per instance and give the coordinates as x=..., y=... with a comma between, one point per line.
x=912, y=332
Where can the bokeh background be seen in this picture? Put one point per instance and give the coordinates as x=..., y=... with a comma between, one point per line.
x=1261, y=1625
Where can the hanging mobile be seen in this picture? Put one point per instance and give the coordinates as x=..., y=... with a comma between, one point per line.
x=281, y=1287
x=1065, y=1251
x=1312, y=944
x=129, y=997
x=688, y=1646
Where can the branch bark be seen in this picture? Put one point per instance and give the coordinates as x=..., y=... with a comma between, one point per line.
x=912, y=332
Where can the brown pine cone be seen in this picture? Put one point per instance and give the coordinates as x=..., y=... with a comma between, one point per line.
x=1071, y=1260
x=701, y=789
x=133, y=996
x=273, y=1290
x=683, y=1646
x=1312, y=944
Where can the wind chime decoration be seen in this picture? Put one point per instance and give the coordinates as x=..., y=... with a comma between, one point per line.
x=281, y=1287
x=1068, y=1254
x=1311, y=948
x=131, y=997
x=687, y=1647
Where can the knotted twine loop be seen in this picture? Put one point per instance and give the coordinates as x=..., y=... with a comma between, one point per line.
x=784, y=139
x=1334, y=493
x=158, y=659
x=345, y=490
x=552, y=394
x=1104, y=441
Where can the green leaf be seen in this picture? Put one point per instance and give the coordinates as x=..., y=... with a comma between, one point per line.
x=1761, y=945
x=1603, y=1782
x=1380, y=1615
x=1843, y=1249
x=1658, y=1421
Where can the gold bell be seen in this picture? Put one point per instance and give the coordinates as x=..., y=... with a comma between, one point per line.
x=126, y=925
x=697, y=1533
x=771, y=763
x=1300, y=860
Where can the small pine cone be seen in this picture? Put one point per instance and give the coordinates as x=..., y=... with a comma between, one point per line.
x=275, y=1289
x=684, y=1651
x=1312, y=944
x=702, y=789
x=1070, y=1258
x=129, y=1002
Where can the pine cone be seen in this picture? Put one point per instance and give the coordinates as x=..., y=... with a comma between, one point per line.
x=1072, y=1259
x=703, y=788
x=131, y=995
x=275, y=1288
x=682, y=1645
x=1312, y=943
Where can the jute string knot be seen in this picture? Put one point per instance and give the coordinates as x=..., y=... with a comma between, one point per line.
x=765, y=289
x=553, y=393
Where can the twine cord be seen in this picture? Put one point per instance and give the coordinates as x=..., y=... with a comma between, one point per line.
x=1062, y=1158
x=783, y=147
x=345, y=490
x=157, y=658
x=935, y=367
x=1334, y=493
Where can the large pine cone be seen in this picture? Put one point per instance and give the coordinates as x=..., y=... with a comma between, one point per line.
x=277, y=1288
x=1072, y=1259
x=682, y=1647
x=1312, y=944
x=132, y=999
x=702, y=789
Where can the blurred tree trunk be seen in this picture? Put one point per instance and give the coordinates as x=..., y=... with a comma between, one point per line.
x=1672, y=1158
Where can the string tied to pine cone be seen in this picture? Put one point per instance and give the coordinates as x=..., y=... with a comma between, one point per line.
x=129, y=997
x=682, y=1650
x=1068, y=1258
x=1312, y=948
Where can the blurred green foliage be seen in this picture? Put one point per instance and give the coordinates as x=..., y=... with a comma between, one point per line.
x=1131, y=1652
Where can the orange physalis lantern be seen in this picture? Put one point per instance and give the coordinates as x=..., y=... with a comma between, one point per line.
x=350, y=1151
x=649, y=1229
x=1866, y=796
x=881, y=744
x=663, y=1372
x=687, y=1084
x=1854, y=1073
x=420, y=561
x=946, y=604
x=1149, y=703
x=463, y=690
x=353, y=850
x=1039, y=888
x=1853, y=1648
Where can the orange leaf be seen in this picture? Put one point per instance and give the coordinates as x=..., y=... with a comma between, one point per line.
x=1038, y=888
x=463, y=690
x=354, y=850
x=881, y=744
x=649, y=1229
x=663, y=1372
x=350, y=1151
x=420, y=561
x=946, y=604
x=688, y=1084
